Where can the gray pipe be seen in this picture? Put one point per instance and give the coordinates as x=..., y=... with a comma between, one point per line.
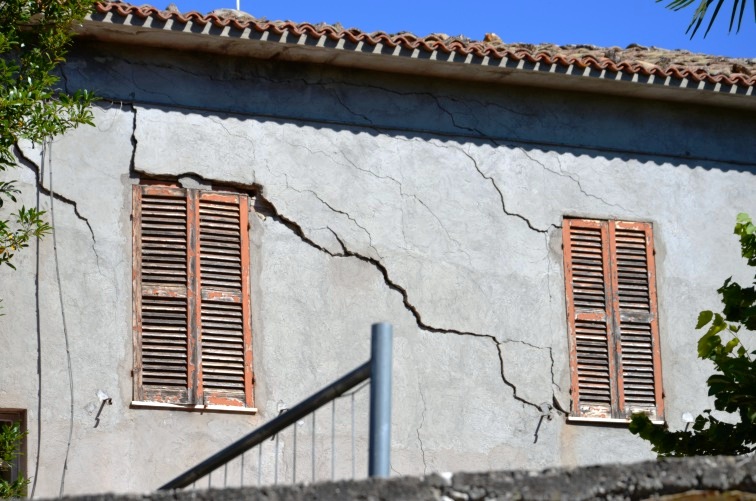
x=380, y=400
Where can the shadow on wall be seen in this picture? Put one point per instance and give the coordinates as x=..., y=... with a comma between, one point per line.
x=411, y=107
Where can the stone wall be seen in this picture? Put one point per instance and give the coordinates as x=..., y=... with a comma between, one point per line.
x=698, y=477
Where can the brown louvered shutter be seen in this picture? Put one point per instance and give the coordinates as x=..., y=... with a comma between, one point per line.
x=162, y=295
x=633, y=279
x=611, y=308
x=586, y=255
x=191, y=300
x=224, y=284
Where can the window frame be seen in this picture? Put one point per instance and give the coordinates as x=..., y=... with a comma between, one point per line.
x=615, y=315
x=194, y=396
x=18, y=466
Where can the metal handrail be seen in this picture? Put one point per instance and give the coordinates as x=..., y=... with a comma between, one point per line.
x=377, y=369
x=272, y=427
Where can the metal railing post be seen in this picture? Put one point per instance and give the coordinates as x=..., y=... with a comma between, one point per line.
x=380, y=400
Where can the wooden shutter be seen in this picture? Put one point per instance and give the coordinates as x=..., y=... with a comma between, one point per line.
x=586, y=255
x=163, y=288
x=635, y=315
x=611, y=308
x=226, y=352
x=191, y=297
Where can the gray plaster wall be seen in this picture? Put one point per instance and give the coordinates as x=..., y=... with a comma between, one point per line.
x=435, y=205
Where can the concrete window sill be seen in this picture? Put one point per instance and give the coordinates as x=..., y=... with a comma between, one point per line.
x=136, y=404
x=574, y=419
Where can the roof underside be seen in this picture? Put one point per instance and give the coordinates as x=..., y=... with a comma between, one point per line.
x=636, y=71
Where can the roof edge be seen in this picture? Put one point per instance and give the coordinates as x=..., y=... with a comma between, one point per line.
x=122, y=23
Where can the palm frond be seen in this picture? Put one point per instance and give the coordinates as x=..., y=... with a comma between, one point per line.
x=703, y=8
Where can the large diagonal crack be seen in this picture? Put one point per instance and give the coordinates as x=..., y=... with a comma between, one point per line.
x=270, y=210
x=295, y=228
x=335, y=210
x=351, y=164
x=267, y=207
x=29, y=164
x=531, y=345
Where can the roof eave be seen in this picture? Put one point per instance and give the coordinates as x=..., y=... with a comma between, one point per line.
x=437, y=64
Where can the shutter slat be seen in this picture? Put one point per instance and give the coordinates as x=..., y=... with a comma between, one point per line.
x=593, y=360
x=164, y=341
x=220, y=244
x=632, y=268
x=586, y=256
x=163, y=220
x=222, y=356
x=638, y=366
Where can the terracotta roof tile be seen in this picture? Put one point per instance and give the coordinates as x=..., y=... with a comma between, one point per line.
x=633, y=61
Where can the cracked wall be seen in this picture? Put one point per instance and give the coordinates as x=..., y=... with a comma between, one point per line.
x=435, y=206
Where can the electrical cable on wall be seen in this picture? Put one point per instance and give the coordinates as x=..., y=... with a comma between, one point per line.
x=47, y=147
x=40, y=177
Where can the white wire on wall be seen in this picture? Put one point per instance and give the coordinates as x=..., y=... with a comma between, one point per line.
x=47, y=152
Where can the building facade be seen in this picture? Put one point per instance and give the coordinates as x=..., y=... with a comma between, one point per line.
x=541, y=229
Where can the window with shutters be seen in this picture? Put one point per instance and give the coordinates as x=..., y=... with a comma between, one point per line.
x=192, y=332
x=12, y=449
x=612, y=319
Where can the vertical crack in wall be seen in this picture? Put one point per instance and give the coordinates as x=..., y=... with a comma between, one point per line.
x=132, y=161
x=499, y=345
x=422, y=422
x=545, y=233
x=501, y=196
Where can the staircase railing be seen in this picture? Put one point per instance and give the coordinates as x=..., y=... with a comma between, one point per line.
x=377, y=369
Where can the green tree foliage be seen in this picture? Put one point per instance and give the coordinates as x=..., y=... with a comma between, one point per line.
x=733, y=384
x=738, y=11
x=34, y=38
x=11, y=438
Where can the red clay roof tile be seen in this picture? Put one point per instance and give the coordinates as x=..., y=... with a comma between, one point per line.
x=634, y=60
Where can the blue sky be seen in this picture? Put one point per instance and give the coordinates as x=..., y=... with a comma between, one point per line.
x=597, y=22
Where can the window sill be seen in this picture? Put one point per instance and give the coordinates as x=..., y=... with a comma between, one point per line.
x=575, y=419
x=136, y=404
